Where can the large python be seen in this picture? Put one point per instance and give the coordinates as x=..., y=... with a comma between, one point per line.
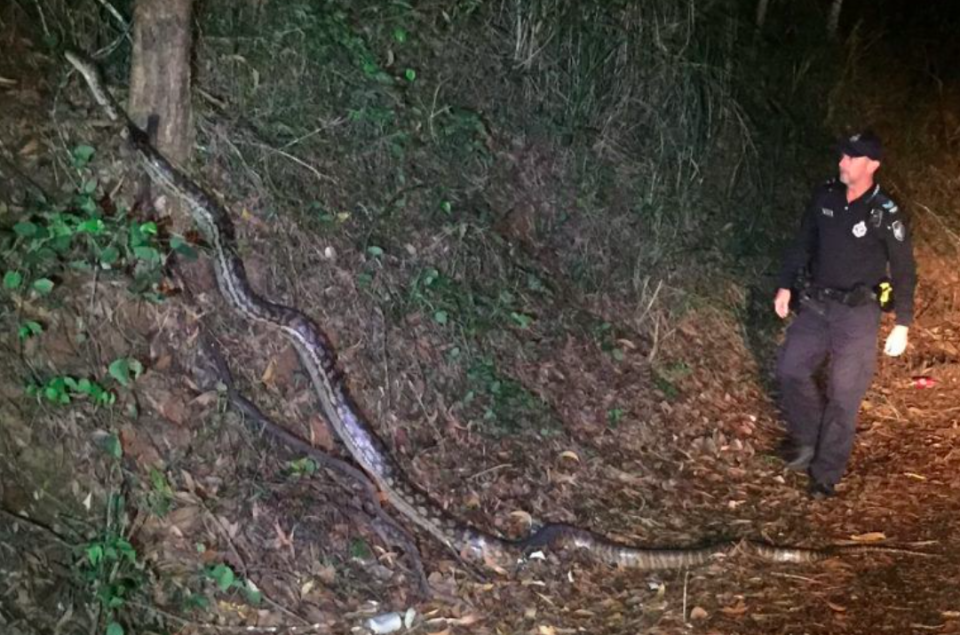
x=363, y=444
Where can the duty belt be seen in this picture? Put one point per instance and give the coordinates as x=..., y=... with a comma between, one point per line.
x=858, y=296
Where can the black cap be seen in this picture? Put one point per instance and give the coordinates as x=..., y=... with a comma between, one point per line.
x=862, y=144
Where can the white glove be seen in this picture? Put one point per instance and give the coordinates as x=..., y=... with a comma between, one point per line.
x=896, y=341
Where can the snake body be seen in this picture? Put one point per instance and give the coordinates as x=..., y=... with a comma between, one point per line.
x=367, y=449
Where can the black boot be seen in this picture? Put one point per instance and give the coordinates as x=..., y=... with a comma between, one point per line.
x=819, y=491
x=799, y=458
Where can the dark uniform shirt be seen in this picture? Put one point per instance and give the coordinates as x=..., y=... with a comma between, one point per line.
x=849, y=244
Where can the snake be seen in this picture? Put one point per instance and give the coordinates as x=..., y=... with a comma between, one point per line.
x=318, y=357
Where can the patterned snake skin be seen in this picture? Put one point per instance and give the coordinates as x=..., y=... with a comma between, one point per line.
x=366, y=448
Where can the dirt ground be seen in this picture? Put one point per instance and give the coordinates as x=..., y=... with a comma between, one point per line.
x=667, y=458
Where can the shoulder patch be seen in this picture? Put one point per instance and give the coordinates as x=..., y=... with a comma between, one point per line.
x=899, y=230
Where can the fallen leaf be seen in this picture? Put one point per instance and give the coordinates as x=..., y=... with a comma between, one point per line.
x=327, y=575
x=569, y=454
x=546, y=630
x=267, y=377
x=915, y=476
x=471, y=500
x=873, y=536
x=207, y=398
x=836, y=607
x=320, y=436
x=698, y=613
x=737, y=609
x=184, y=518
x=30, y=147
x=466, y=620
x=523, y=516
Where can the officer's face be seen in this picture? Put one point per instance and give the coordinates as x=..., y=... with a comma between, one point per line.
x=857, y=170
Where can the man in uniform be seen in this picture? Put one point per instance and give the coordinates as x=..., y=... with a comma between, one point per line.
x=851, y=233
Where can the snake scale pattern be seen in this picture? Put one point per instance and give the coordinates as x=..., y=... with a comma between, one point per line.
x=367, y=449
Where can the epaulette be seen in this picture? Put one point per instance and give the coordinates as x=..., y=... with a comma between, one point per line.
x=885, y=203
x=881, y=207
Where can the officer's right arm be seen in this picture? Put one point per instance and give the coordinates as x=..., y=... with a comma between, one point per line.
x=797, y=256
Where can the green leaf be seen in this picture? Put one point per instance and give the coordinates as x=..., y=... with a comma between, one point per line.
x=81, y=155
x=100, y=395
x=87, y=205
x=410, y=74
x=43, y=286
x=89, y=186
x=109, y=256
x=29, y=329
x=149, y=228
x=112, y=446
x=441, y=317
x=182, y=247
x=400, y=35
x=94, y=554
x=304, y=465
x=364, y=280
x=114, y=629
x=254, y=595
x=12, y=280
x=359, y=549
x=430, y=275
x=522, y=320
x=56, y=391
x=126, y=550
x=91, y=226
x=25, y=229
x=147, y=254
x=120, y=370
x=375, y=251
x=223, y=575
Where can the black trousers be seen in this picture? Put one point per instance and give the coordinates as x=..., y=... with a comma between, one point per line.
x=847, y=337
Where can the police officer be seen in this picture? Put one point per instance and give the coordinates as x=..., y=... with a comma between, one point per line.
x=851, y=233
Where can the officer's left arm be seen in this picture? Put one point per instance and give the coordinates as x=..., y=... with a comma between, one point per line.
x=903, y=274
x=903, y=268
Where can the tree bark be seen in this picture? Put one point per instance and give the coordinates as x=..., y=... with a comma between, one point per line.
x=761, y=17
x=160, y=74
x=833, y=19
x=160, y=81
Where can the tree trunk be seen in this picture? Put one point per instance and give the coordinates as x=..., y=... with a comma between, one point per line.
x=160, y=74
x=833, y=19
x=761, y=18
x=160, y=101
